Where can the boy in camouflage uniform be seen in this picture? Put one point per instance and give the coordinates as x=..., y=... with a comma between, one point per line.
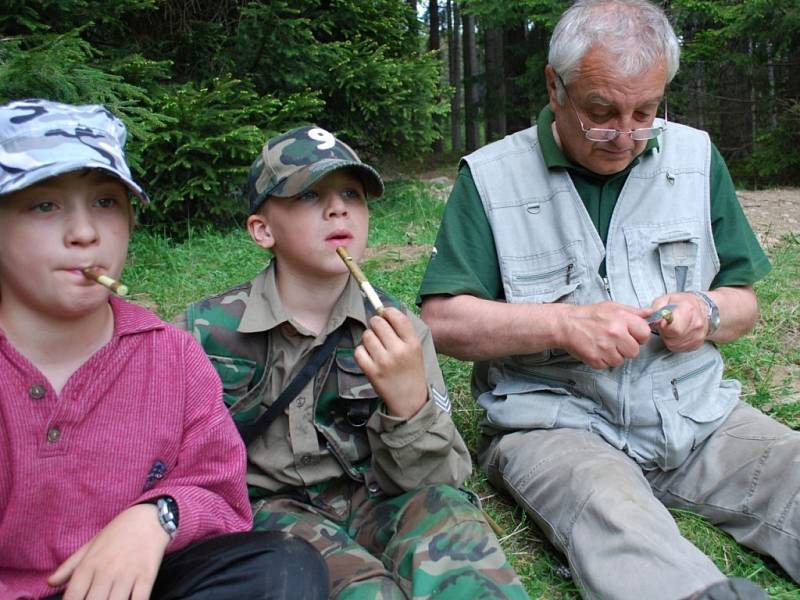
x=365, y=461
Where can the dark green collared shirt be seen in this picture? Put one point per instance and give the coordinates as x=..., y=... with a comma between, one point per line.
x=466, y=259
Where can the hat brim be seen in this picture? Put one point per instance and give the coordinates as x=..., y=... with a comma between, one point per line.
x=305, y=178
x=34, y=176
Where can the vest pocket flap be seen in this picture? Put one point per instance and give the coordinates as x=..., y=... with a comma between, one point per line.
x=512, y=388
x=542, y=278
x=696, y=391
x=352, y=382
x=676, y=236
x=534, y=409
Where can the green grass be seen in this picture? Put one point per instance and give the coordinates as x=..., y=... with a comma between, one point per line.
x=167, y=276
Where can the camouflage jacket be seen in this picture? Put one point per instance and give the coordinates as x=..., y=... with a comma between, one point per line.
x=257, y=348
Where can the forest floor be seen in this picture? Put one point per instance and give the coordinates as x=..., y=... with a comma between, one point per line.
x=773, y=213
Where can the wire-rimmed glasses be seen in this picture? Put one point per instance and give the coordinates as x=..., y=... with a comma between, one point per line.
x=596, y=134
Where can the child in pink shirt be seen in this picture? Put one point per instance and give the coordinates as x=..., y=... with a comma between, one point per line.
x=115, y=446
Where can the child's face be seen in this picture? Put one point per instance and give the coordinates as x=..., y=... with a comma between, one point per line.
x=51, y=230
x=304, y=231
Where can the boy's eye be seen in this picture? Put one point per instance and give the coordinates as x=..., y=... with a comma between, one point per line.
x=44, y=207
x=352, y=194
x=107, y=202
x=307, y=195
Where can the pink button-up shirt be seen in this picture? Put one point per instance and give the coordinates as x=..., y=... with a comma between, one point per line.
x=141, y=418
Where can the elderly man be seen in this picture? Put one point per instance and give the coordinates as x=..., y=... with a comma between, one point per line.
x=557, y=247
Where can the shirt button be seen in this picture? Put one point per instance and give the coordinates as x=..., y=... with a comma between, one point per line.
x=53, y=435
x=373, y=487
x=36, y=391
x=306, y=460
x=300, y=401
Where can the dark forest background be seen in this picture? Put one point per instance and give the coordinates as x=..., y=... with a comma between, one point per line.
x=201, y=84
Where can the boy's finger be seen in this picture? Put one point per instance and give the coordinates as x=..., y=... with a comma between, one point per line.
x=383, y=331
x=79, y=585
x=62, y=574
x=400, y=323
x=364, y=360
x=372, y=344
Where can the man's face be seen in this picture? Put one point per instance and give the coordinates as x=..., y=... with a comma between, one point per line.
x=608, y=100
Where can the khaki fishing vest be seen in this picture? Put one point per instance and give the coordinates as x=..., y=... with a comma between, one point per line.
x=656, y=407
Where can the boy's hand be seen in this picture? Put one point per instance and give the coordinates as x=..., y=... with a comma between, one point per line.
x=391, y=357
x=121, y=561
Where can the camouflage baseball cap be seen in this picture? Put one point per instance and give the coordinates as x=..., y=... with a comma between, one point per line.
x=294, y=161
x=41, y=139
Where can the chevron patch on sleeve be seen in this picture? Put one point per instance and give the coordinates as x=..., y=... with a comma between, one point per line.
x=441, y=400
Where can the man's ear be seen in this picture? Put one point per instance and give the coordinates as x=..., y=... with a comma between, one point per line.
x=259, y=230
x=552, y=89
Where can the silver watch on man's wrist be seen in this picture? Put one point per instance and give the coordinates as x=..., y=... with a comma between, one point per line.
x=713, y=312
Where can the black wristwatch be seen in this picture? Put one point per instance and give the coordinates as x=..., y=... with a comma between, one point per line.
x=713, y=312
x=167, y=514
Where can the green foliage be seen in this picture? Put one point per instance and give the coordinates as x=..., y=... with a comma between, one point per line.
x=775, y=158
x=379, y=92
x=196, y=164
x=65, y=68
x=738, y=70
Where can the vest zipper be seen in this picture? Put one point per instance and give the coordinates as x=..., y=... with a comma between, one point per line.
x=567, y=270
x=605, y=285
x=689, y=375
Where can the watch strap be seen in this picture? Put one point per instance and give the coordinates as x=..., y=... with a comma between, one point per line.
x=167, y=513
x=712, y=314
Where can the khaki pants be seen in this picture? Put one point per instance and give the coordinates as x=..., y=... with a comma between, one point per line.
x=610, y=520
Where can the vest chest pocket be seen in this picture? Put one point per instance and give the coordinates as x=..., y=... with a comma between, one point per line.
x=543, y=278
x=238, y=385
x=662, y=258
x=677, y=253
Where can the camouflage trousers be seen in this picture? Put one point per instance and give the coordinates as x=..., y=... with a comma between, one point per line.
x=428, y=543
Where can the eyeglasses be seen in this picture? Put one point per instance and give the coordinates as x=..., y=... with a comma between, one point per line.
x=596, y=134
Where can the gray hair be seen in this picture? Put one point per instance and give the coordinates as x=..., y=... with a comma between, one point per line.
x=636, y=32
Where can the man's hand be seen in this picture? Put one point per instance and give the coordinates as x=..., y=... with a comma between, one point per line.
x=689, y=325
x=120, y=562
x=603, y=335
x=390, y=355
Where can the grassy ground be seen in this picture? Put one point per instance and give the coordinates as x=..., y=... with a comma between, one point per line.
x=166, y=277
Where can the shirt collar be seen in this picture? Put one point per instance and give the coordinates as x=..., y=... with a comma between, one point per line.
x=264, y=309
x=554, y=157
x=131, y=318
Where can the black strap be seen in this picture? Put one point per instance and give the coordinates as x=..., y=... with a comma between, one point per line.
x=250, y=431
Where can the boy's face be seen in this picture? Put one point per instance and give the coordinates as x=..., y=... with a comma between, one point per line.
x=51, y=230
x=304, y=231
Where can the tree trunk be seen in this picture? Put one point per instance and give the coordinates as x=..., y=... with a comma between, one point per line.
x=471, y=125
x=495, y=115
x=434, y=44
x=433, y=16
x=454, y=46
x=515, y=54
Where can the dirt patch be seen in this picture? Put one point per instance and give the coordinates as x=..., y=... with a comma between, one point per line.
x=394, y=256
x=773, y=214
